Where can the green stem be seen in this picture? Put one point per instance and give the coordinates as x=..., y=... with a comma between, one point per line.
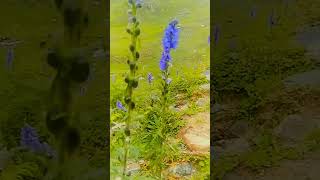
x=130, y=93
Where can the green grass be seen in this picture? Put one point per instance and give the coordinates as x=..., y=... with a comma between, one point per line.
x=190, y=60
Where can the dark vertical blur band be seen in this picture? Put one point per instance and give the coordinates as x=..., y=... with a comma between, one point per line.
x=211, y=87
x=108, y=82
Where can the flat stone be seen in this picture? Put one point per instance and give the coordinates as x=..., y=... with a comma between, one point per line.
x=236, y=146
x=196, y=133
x=216, y=152
x=117, y=127
x=201, y=102
x=232, y=146
x=295, y=128
x=240, y=128
x=181, y=169
x=310, y=78
x=205, y=87
x=216, y=108
x=302, y=169
x=133, y=168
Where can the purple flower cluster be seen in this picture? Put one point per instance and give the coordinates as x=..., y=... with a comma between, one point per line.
x=30, y=140
x=169, y=41
x=120, y=106
x=150, y=78
x=138, y=3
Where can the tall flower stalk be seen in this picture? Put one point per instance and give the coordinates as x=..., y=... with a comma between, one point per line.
x=131, y=79
x=169, y=42
x=71, y=68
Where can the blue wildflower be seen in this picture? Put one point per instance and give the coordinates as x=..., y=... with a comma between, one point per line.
x=120, y=106
x=169, y=41
x=168, y=81
x=30, y=140
x=208, y=39
x=165, y=58
x=171, y=36
x=48, y=150
x=150, y=78
x=139, y=3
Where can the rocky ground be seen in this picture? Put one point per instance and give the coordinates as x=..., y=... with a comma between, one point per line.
x=234, y=137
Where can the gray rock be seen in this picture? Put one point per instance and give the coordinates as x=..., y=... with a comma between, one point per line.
x=180, y=108
x=310, y=78
x=216, y=108
x=207, y=74
x=231, y=147
x=132, y=168
x=236, y=145
x=216, y=152
x=173, y=108
x=205, y=87
x=295, y=128
x=201, y=102
x=240, y=128
x=183, y=169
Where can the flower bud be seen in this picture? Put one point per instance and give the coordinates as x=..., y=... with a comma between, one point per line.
x=131, y=47
x=132, y=65
x=127, y=99
x=137, y=33
x=134, y=83
x=127, y=79
x=127, y=131
x=132, y=105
